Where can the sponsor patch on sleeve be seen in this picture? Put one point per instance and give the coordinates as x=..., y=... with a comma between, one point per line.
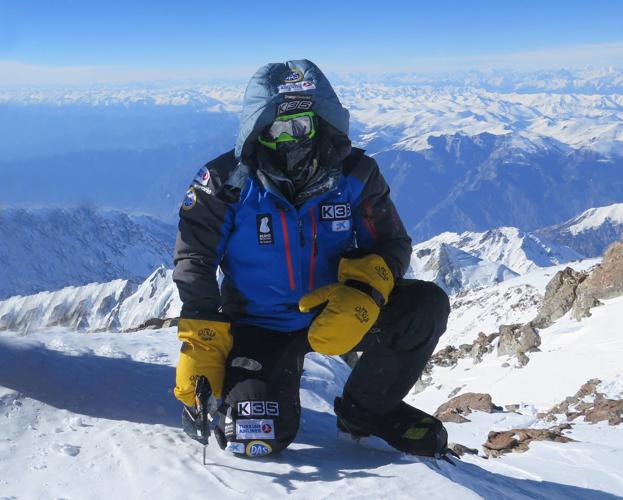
x=203, y=176
x=254, y=428
x=190, y=200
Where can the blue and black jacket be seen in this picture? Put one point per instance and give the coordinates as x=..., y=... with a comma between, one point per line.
x=272, y=249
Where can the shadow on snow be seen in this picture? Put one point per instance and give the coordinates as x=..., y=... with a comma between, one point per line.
x=124, y=389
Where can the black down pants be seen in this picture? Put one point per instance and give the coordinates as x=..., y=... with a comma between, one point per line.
x=261, y=409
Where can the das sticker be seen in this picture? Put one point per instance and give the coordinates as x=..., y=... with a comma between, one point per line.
x=258, y=449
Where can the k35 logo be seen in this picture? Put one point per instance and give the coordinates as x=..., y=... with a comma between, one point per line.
x=258, y=408
x=334, y=211
x=292, y=106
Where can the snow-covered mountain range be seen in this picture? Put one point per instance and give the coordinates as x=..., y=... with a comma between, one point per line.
x=468, y=152
x=461, y=261
x=76, y=247
x=457, y=262
x=47, y=249
x=590, y=232
x=117, y=305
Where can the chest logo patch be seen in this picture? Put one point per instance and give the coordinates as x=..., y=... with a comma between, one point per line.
x=334, y=211
x=264, y=223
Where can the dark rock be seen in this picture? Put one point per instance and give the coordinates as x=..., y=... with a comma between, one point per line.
x=518, y=440
x=605, y=282
x=516, y=339
x=605, y=409
x=560, y=294
x=154, y=324
x=461, y=449
x=589, y=403
x=459, y=406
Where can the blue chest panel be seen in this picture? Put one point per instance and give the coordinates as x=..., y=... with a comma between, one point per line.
x=276, y=253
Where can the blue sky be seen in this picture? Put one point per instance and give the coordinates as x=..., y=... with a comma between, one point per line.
x=184, y=38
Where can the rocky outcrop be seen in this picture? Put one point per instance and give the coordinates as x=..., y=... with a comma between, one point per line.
x=450, y=355
x=589, y=403
x=518, y=440
x=461, y=449
x=517, y=340
x=560, y=294
x=154, y=324
x=605, y=282
x=459, y=406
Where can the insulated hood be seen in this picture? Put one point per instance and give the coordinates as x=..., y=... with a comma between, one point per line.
x=284, y=88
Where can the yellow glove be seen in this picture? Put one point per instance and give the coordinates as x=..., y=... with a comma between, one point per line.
x=352, y=305
x=205, y=347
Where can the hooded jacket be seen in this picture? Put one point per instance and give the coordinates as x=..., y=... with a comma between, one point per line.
x=273, y=249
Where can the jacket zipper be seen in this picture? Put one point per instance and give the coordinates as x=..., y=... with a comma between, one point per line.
x=314, y=248
x=286, y=239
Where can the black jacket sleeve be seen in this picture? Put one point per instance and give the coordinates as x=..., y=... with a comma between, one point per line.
x=206, y=218
x=378, y=226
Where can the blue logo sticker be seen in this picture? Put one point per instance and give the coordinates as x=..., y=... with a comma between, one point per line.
x=294, y=76
x=258, y=449
x=190, y=200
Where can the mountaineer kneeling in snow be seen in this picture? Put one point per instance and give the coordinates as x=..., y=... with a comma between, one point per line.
x=312, y=252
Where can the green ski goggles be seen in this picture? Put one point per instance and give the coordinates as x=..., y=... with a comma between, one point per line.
x=289, y=128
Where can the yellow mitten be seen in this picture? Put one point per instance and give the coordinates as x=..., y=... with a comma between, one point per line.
x=352, y=305
x=205, y=347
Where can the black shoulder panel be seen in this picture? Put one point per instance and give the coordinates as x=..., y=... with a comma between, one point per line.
x=221, y=168
x=227, y=176
x=359, y=165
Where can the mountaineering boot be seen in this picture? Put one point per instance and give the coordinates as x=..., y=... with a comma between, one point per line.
x=405, y=428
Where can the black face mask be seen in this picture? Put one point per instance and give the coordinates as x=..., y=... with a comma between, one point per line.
x=296, y=159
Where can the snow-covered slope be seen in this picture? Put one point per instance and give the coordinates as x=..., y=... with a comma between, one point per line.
x=93, y=416
x=516, y=300
x=46, y=249
x=570, y=354
x=453, y=269
x=591, y=231
x=114, y=306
